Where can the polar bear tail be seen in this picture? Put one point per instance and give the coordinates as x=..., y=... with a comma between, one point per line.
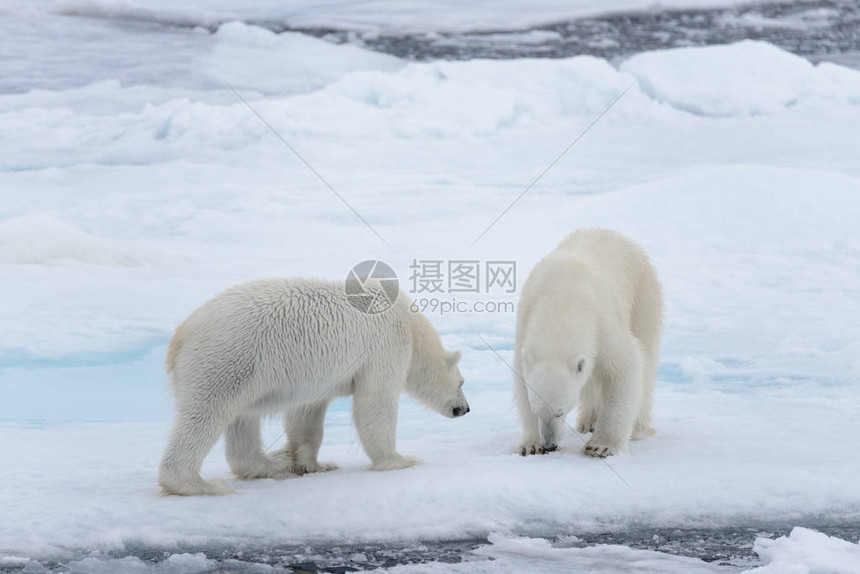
x=173, y=349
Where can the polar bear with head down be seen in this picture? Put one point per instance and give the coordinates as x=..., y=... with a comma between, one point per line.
x=292, y=345
x=588, y=335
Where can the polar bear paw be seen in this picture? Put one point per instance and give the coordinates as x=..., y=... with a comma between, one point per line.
x=640, y=432
x=312, y=467
x=196, y=487
x=396, y=462
x=267, y=466
x=527, y=448
x=600, y=449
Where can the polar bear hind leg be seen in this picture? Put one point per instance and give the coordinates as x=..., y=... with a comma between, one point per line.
x=650, y=360
x=647, y=324
x=244, y=448
x=642, y=428
x=193, y=436
x=304, y=427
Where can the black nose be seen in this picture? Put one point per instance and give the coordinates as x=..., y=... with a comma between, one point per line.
x=460, y=411
x=550, y=447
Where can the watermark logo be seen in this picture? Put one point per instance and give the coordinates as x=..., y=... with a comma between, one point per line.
x=430, y=276
x=372, y=286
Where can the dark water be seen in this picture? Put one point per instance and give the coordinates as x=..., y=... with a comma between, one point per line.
x=725, y=546
x=819, y=29
x=82, y=50
x=720, y=546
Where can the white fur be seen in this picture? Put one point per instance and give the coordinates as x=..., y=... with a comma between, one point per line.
x=588, y=332
x=292, y=345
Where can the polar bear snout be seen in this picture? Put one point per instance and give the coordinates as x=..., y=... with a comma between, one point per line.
x=459, y=410
x=458, y=405
x=551, y=432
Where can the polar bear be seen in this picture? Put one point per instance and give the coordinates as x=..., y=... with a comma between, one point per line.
x=588, y=331
x=293, y=345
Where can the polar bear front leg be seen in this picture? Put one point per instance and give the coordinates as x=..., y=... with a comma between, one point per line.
x=374, y=410
x=620, y=395
x=589, y=405
x=305, y=428
x=530, y=442
x=244, y=446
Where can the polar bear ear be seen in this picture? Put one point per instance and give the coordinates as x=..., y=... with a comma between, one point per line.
x=576, y=365
x=453, y=358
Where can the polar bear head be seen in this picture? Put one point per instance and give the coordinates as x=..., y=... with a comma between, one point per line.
x=555, y=378
x=434, y=376
x=438, y=383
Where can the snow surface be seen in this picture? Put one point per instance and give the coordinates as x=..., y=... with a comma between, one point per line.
x=126, y=205
x=772, y=80
x=807, y=551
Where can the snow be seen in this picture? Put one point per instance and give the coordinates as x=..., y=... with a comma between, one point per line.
x=126, y=204
x=807, y=551
x=40, y=239
x=292, y=61
x=706, y=82
x=719, y=460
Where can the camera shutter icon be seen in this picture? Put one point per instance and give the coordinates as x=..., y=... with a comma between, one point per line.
x=372, y=286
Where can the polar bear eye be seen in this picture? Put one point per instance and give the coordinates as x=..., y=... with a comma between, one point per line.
x=580, y=365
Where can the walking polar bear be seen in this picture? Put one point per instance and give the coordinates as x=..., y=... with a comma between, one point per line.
x=293, y=345
x=588, y=331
